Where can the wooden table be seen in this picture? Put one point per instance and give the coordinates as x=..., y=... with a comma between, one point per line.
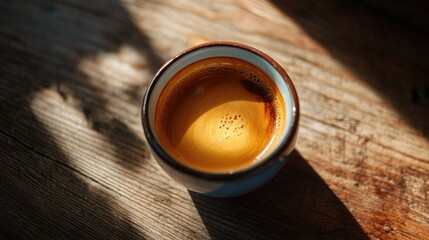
x=75, y=164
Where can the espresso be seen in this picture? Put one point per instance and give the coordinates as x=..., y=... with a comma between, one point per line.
x=220, y=115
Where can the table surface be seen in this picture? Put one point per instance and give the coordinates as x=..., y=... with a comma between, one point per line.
x=75, y=163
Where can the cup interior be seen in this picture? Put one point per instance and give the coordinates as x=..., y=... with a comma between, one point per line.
x=253, y=56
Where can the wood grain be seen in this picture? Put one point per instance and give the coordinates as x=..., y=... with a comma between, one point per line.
x=75, y=164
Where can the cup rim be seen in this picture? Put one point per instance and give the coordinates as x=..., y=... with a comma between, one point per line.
x=253, y=170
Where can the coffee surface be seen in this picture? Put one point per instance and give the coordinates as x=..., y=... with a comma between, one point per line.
x=219, y=115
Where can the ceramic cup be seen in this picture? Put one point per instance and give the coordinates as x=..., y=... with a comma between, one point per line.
x=241, y=181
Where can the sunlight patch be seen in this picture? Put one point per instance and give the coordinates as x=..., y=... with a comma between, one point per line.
x=126, y=66
x=85, y=149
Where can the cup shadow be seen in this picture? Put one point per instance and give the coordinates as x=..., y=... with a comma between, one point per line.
x=296, y=204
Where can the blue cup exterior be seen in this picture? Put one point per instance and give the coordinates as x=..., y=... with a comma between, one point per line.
x=221, y=185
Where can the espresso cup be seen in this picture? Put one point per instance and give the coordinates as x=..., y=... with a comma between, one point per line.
x=221, y=118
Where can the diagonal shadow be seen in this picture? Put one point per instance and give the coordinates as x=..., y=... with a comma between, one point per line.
x=384, y=42
x=296, y=204
x=57, y=35
x=42, y=44
x=41, y=196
